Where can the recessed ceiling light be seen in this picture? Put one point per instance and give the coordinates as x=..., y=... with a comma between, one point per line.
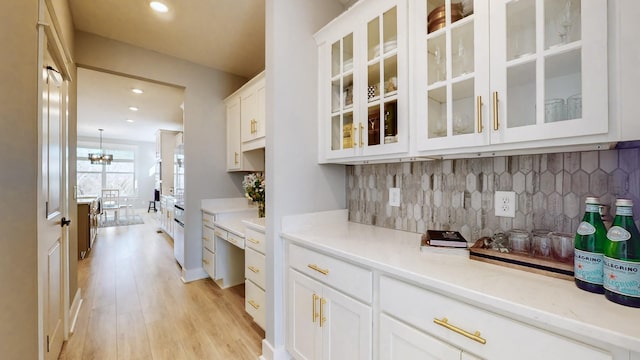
x=159, y=7
x=133, y=108
x=129, y=120
x=137, y=91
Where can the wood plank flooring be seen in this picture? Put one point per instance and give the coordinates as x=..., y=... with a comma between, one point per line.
x=136, y=307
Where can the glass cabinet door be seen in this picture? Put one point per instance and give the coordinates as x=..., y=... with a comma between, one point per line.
x=456, y=63
x=343, y=128
x=381, y=125
x=542, y=57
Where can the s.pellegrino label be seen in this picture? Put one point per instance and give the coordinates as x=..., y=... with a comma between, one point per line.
x=590, y=240
x=622, y=258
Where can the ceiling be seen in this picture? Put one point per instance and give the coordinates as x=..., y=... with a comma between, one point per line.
x=227, y=35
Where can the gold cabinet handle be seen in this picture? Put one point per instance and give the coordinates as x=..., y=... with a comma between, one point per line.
x=495, y=110
x=254, y=126
x=322, y=318
x=219, y=234
x=253, y=268
x=314, y=314
x=475, y=336
x=479, y=109
x=253, y=304
x=355, y=132
x=252, y=240
x=235, y=158
x=318, y=269
x=361, y=131
x=233, y=240
x=205, y=261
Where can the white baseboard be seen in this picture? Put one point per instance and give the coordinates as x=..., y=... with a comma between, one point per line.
x=74, y=311
x=189, y=275
x=270, y=353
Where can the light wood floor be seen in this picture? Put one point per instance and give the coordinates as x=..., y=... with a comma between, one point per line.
x=136, y=307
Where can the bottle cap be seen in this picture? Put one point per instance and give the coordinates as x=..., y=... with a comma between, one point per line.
x=624, y=202
x=592, y=200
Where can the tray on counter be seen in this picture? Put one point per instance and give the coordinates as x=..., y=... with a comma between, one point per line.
x=524, y=262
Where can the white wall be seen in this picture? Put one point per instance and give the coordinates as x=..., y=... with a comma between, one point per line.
x=204, y=121
x=295, y=182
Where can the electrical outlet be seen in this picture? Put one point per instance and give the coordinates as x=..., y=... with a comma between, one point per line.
x=505, y=203
x=394, y=196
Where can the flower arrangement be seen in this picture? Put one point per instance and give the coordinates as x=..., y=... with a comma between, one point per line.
x=253, y=185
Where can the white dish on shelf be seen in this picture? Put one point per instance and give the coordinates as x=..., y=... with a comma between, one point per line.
x=348, y=65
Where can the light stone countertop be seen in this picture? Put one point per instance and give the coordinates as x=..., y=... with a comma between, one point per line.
x=230, y=212
x=549, y=303
x=257, y=224
x=214, y=206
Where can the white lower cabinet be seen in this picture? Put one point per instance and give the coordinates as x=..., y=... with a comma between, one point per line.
x=399, y=341
x=470, y=329
x=325, y=323
x=208, y=245
x=255, y=270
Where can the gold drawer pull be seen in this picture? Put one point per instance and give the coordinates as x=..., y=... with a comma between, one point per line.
x=318, y=269
x=361, y=131
x=219, y=234
x=475, y=336
x=205, y=261
x=252, y=240
x=322, y=318
x=479, y=110
x=205, y=238
x=253, y=268
x=253, y=303
x=314, y=314
x=233, y=240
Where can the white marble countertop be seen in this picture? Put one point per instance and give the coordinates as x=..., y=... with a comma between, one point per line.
x=214, y=206
x=553, y=304
x=257, y=224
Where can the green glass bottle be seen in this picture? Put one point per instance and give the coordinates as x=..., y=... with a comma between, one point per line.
x=622, y=257
x=590, y=240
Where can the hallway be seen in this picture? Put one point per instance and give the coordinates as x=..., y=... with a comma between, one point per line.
x=136, y=307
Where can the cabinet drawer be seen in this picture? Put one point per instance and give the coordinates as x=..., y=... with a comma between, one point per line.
x=208, y=262
x=235, y=240
x=346, y=277
x=255, y=240
x=208, y=239
x=254, y=303
x=207, y=220
x=219, y=232
x=254, y=267
x=505, y=338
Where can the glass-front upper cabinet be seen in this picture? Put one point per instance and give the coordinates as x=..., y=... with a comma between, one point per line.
x=363, y=83
x=549, y=69
x=453, y=62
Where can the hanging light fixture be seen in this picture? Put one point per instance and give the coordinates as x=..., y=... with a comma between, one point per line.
x=101, y=158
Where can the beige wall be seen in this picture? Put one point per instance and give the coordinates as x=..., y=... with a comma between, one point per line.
x=204, y=121
x=18, y=179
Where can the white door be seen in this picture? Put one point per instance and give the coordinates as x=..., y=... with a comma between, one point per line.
x=51, y=235
x=346, y=327
x=304, y=316
x=399, y=341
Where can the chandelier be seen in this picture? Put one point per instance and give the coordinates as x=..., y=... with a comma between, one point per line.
x=101, y=158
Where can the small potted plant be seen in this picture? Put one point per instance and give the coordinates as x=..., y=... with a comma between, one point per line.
x=253, y=185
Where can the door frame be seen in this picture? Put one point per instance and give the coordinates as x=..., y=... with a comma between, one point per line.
x=50, y=39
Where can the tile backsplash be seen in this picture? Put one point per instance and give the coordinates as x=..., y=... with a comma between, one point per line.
x=459, y=194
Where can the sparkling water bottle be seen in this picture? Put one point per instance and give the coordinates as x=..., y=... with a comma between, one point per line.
x=590, y=240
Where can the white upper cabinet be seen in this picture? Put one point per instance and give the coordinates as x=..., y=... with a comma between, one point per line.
x=506, y=72
x=252, y=100
x=363, y=85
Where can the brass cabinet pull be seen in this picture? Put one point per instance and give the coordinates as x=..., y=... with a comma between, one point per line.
x=322, y=318
x=253, y=303
x=254, y=126
x=355, y=132
x=219, y=234
x=253, y=268
x=205, y=261
x=235, y=157
x=233, y=240
x=252, y=240
x=314, y=315
x=479, y=109
x=475, y=336
x=206, y=238
x=318, y=269
x=495, y=110
x=361, y=131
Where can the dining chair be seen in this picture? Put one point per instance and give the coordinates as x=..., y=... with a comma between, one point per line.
x=110, y=202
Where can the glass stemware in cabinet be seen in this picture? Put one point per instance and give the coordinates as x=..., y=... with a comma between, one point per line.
x=521, y=29
x=342, y=92
x=562, y=22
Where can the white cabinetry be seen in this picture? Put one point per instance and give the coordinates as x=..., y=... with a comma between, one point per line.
x=255, y=275
x=246, y=126
x=167, y=204
x=509, y=74
x=329, y=312
x=208, y=245
x=363, y=89
x=466, y=328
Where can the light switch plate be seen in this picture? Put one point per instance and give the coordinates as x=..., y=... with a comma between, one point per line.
x=394, y=196
x=505, y=203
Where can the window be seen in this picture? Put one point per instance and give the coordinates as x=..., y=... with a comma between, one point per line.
x=92, y=178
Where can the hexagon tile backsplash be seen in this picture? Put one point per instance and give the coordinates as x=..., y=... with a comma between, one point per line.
x=458, y=194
